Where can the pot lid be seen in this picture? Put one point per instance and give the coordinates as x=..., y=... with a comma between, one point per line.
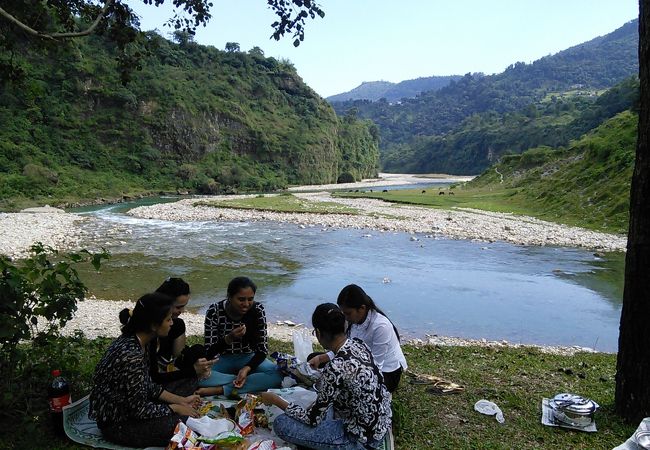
x=574, y=403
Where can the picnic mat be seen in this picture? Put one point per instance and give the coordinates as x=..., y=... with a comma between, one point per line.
x=83, y=430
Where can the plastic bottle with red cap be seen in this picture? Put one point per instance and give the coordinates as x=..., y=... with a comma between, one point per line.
x=58, y=393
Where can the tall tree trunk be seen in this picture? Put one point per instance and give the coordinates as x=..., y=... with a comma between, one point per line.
x=633, y=364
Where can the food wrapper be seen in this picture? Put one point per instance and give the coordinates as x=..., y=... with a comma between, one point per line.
x=225, y=439
x=244, y=413
x=263, y=445
x=183, y=438
x=285, y=362
x=305, y=374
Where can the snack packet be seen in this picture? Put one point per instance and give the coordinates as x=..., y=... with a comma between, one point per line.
x=245, y=415
x=183, y=437
x=225, y=439
x=263, y=445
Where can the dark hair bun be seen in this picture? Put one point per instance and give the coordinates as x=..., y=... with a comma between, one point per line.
x=125, y=314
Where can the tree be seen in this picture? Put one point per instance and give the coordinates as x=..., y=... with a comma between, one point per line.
x=632, y=399
x=26, y=23
x=232, y=47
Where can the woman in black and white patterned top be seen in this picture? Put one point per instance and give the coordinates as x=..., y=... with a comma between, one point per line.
x=351, y=385
x=129, y=408
x=235, y=330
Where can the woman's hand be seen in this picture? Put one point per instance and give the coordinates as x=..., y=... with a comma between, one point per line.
x=203, y=367
x=271, y=399
x=317, y=360
x=236, y=334
x=193, y=401
x=241, y=377
x=184, y=410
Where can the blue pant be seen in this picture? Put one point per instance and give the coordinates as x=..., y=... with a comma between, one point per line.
x=224, y=371
x=328, y=435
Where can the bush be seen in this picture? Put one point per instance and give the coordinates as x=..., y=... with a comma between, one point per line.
x=345, y=177
x=38, y=174
x=38, y=297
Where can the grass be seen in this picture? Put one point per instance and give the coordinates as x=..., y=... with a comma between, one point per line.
x=286, y=203
x=515, y=379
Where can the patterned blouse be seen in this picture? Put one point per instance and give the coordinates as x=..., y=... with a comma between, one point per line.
x=122, y=387
x=354, y=386
x=218, y=324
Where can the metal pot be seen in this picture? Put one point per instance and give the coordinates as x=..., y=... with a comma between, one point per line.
x=573, y=409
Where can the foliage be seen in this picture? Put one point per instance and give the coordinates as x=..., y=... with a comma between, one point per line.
x=195, y=119
x=39, y=295
x=482, y=138
x=32, y=23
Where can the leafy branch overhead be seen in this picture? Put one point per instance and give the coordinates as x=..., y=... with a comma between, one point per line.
x=27, y=23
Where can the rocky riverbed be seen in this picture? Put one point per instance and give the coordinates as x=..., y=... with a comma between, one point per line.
x=53, y=228
x=388, y=217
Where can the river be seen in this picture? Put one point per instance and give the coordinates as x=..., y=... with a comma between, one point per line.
x=470, y=289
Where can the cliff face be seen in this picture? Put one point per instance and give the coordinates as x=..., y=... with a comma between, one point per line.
x=194, y=118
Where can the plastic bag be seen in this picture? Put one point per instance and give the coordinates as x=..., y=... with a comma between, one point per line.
x=490, y=409
x=302, y=344
x=207, y=426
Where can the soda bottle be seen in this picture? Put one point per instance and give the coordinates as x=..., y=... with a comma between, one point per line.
x=58, y=393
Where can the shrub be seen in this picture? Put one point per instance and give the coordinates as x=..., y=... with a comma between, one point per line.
x=345, y=177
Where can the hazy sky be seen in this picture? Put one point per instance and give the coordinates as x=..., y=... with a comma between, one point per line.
x=370, y=40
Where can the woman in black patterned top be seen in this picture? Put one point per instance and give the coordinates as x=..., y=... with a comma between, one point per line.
x=235, y=330
x=129, y=408
x=351, y=386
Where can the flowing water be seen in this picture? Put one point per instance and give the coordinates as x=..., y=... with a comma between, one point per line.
x=539, y=295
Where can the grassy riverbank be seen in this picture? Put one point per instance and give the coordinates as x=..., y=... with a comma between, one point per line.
x=284, y=203
x=515, y=379
x=492, y=198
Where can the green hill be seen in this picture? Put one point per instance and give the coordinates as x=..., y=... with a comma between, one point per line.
x=193, y=119
x=587, y=182
x=375, y=90
x=564, y=84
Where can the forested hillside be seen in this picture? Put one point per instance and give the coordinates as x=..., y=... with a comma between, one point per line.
x=194, y=118
x=482, y=138
x=587, y=181
x=567, y=82
x=375, y=90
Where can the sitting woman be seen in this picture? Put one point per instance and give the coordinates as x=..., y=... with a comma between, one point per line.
x=368, y=323
x=235, y=329
x=173, y=360
x=130, y=409
x=350, y=385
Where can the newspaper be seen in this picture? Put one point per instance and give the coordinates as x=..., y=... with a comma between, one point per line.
x=549, y=420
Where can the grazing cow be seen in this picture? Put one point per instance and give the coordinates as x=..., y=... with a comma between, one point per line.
x=424, y=191
x=441, y=193
x=356, y=190
x=451, y=193
x=385, y=190
x=370, y=190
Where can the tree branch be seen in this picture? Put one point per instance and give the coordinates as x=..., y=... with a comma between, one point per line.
x=33, y=32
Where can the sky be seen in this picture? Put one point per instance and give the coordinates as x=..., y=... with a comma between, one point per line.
x=372, y=40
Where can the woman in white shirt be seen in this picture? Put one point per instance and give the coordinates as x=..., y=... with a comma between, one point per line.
x=369, y=323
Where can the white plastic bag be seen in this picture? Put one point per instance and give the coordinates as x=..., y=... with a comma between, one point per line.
x=302, y=344
x=490, y=409
x=207, y=426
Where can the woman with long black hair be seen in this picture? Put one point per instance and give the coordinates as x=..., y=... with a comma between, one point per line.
x=130, y=409
x=369, y=323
